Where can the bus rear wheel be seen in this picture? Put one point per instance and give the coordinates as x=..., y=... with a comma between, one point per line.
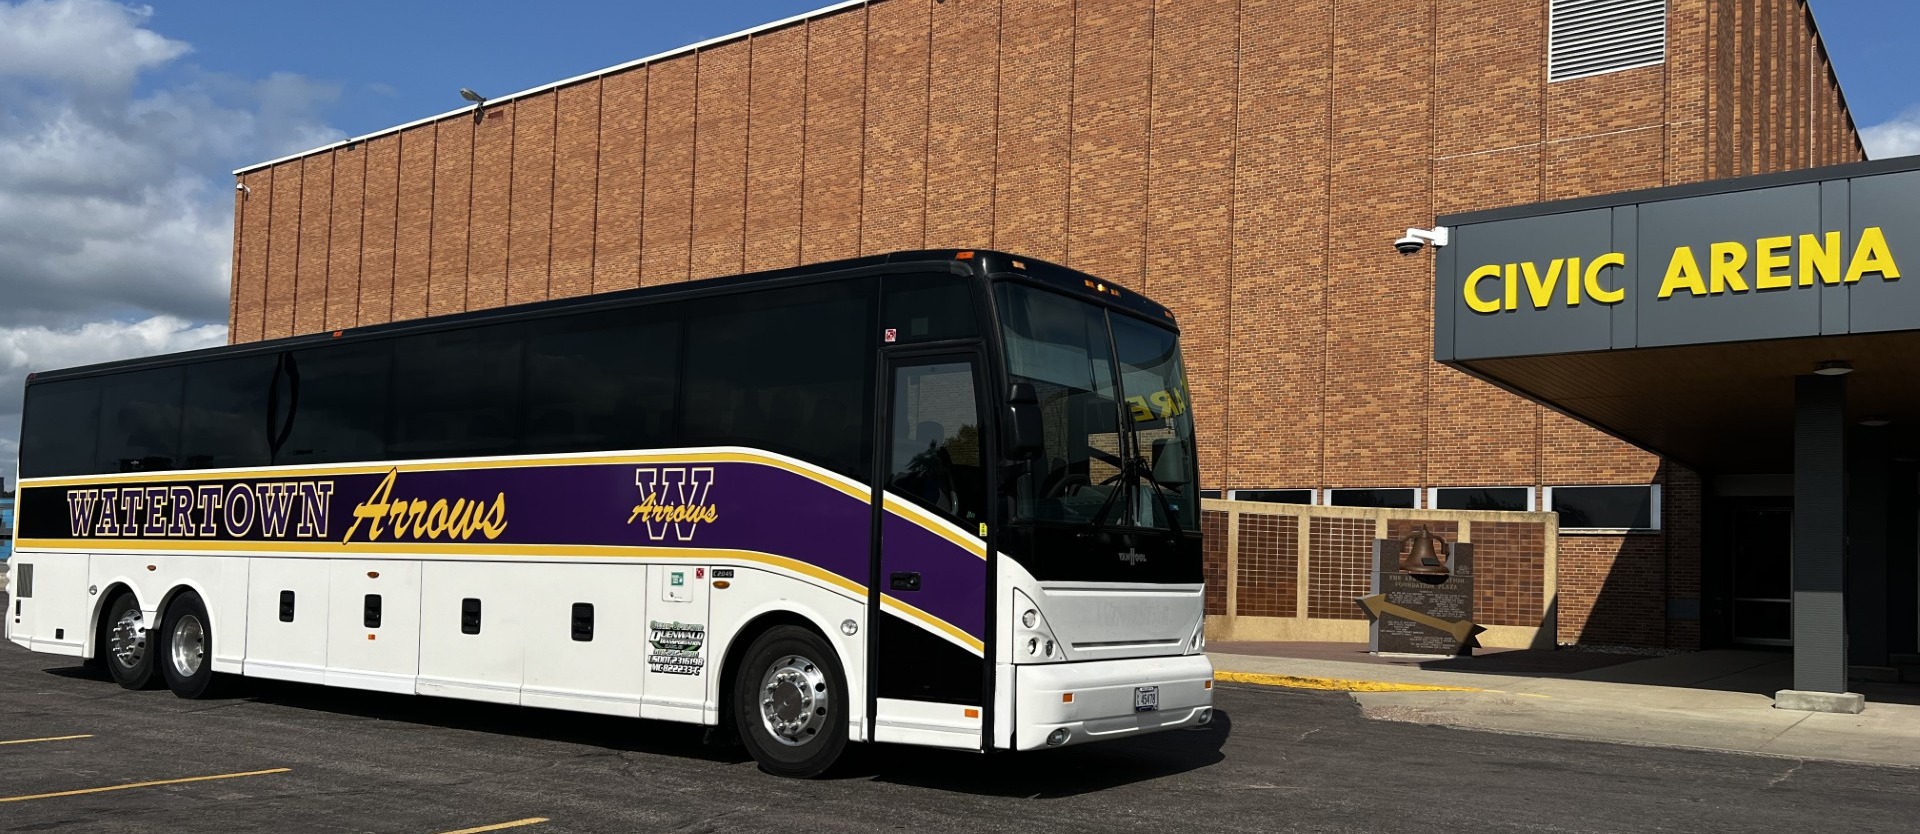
x=790, y=702
x=125, y=643
x=186, y=647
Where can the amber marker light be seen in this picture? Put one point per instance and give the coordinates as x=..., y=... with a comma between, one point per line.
x=972, y=712
x=1066, y=697
x=338, y=333
x=1209, y=683
x=373, y=574
x=963, y=256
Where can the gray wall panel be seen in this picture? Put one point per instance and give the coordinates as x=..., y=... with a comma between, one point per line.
x=1538, y=240
x=1891, y=202
x=1730, y=316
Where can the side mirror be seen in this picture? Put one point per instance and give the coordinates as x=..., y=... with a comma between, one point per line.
x=1022, y=435
x=1171, y=465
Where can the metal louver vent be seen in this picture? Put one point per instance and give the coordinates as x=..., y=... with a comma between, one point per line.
x=1590, y=37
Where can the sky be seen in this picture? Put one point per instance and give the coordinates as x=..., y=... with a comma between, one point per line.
x=120, y=126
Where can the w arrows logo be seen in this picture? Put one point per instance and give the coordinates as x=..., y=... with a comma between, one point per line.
x=673, y=497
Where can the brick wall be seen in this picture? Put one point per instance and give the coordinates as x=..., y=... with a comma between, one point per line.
x=1243, y=161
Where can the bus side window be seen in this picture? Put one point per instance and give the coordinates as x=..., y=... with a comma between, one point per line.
x=783, y=371
x=602, y=382
x=225, y=420
x=61, y=425
x=936, y=440
x=457, y=392
x=927, y=306
x=341, y=412
x=140, y=421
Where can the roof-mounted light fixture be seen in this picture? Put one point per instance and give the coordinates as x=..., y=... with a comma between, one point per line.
x=1834, y=367
x=479, y=101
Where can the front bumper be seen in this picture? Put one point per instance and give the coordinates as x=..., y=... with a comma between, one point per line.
x=1103, y=697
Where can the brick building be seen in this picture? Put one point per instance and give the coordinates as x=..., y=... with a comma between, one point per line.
x=1246, y=162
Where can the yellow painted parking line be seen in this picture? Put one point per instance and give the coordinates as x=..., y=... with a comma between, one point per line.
x=500, y=826
x=49, y=738
x=144, y=784
x=1334, y=684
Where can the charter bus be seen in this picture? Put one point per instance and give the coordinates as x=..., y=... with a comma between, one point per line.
x=939, y=498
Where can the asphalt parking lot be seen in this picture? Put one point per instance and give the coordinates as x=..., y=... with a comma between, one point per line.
x=79, y=754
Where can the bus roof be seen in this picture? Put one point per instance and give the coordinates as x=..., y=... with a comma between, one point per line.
x=985, y=262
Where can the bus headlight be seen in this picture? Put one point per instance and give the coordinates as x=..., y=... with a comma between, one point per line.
x=1031, y=632
x=1198, y=642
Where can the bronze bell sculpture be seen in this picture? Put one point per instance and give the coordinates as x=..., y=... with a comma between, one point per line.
x=1424, y=554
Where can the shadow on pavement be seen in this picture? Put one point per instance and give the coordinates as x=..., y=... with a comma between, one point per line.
x=1043, y=774
x=1759, y=671
x=1038, y=774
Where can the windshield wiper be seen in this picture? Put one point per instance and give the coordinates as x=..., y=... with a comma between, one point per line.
x=1145, y=471
x=1133, y=470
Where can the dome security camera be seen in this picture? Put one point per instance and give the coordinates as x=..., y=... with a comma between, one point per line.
x=1417, y=239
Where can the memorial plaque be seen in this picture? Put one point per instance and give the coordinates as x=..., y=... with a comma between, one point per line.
x=1421, y=615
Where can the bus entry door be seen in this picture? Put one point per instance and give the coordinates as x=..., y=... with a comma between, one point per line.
x=928, y=614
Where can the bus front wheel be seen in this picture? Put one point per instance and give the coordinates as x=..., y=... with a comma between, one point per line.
x=790, y=702
x=126, y=644
x=186, y=643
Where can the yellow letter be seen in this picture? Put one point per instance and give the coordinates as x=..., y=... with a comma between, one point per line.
x=1822, y=259
x=1573, y=282
x=1683, y=272
x=1474, y=301
x=1872, y=255
x=1728, y=259
x=1615, y=296
x=1513, y=288
x=1541, y=291
x=372, y=509
x=1766, y=262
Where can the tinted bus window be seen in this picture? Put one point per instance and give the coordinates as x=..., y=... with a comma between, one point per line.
x=340, y=408
x=225, y=424
x=59, y=429
x=785, y=371
x=602, y=382
x=139, y=421
x=928, y=306
x=456, y=393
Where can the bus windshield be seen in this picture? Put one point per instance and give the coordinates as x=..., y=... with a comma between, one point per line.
x=1113, y=399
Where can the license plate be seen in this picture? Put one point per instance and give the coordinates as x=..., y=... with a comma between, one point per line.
x=1146, y=698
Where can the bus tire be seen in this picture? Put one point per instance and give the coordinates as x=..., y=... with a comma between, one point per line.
x=185, y=655
x=126, y=643
x=790, y=702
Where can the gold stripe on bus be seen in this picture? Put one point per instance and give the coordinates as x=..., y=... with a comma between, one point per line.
x=905, y=510
x=936, y=525
x=845, y=486
x=451, y=551
x=906, y=609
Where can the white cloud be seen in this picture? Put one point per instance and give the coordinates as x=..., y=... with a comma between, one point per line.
x=1898, y=136
x=98, y=45
x=116, y=206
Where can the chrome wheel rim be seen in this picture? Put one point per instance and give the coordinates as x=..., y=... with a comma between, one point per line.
x=188, y=645
x=129, y=639
x=794, y=700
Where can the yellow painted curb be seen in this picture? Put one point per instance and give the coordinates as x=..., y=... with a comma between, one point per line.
x=1334, y=684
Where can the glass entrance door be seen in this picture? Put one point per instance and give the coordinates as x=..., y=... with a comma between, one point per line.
x=1762, y=546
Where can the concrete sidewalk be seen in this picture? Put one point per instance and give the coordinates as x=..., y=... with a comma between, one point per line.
x=1715, y=700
